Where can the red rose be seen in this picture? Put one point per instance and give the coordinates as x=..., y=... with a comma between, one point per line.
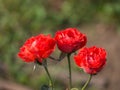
x=37, y=48
x=91, y=59
x=70, y=40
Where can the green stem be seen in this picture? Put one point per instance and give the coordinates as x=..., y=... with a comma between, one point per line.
x=46, y=69
x=88, y=81
x=69, y=66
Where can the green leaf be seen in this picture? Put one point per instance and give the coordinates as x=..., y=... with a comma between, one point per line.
x=74, y=89
x=45, y=87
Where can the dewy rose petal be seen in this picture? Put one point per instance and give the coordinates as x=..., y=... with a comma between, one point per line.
x=70, y=40
x=37, y=48
x=91, y=60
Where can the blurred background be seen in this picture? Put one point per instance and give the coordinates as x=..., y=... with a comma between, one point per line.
x=21, y=19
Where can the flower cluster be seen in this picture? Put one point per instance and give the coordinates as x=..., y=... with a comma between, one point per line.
x=37, y=48
x=91, y=59
x=70, y=40
x=40, y=47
